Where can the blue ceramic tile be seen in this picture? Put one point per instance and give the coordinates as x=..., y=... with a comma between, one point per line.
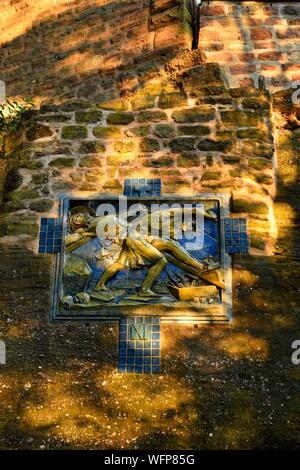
x=236, y=235
x=137, y=187
x=135, y=353
x=50, y=235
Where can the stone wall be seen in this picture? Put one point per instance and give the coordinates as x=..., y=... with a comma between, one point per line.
x=49, y=49
x=120, y=94
x=254, y=41
x=146, y=106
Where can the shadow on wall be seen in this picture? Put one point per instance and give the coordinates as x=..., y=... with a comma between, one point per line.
x=56, y=52
x=222, y=387
x=255, y=41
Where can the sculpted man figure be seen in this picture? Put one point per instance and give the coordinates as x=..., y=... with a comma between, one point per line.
x=124, y=247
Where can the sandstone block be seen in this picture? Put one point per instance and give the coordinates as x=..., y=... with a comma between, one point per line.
x=138, y=131
x=114, y=105
x=152, y=116
x=172, y=100
x=106, y=132
x=124, y=147
x=193, y=130
x=120, y=118
x=43, y=204
x=91, y=146
x=38, y=131
x=259, y=164
x=188, y=159
x=243, y=205
x=74, y=132
x=112, y=185
x=90, y=161
x=174, y=35
x=62, y=162
x=149, y=145
x=211, y=175
x=143, y=102
x=164, y=130
x=88, y=116
x=211, y=145
x=203, y=113
x=182, y=143
x=236, y=118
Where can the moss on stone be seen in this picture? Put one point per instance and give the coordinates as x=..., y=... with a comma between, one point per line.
x=210, y=160
x=264, y=179
x=23, y=195
x=142, y=102
x=55, y=118
x=62, y=185
x=231, y=159
x=40, y=178
x=151, y=116
x=43, y=204
x=243, y=205
x=91, y=146
x=236, y=118
x=259, y=164
x=38, y=131
x=19, y=224
x=172, y=100
x=114, y=105
x=256, y=102
x=120, y=118
x=88, y=116
x=31, y=165
x=193, y=130
x=149, y=145
x=235, y=173
x=211, y=175
x=203, y=113
x=90, y=161
x=182, y=143
x=108, y=132
x=164, y=130
x=257, y=242
x=160, y=162
x=138, y=131
x=257, y=135
x=62, y=162
x=74, y=132
x=188, y=159
x=215, y=145
x=14, y=179
x=12, y=206
x=74, y=105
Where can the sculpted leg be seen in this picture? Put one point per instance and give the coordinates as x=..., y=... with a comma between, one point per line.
x=108, y=274
x=177, y=251
x=152, y=275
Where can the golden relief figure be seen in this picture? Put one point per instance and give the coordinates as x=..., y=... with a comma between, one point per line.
x=125, y=247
